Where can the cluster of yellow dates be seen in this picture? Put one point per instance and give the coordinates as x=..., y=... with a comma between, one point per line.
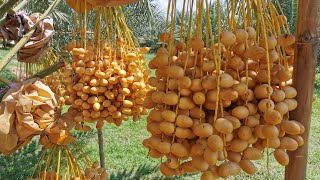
x=219, y=123
x=95, y=172
x=80, y=6
x=107, y=87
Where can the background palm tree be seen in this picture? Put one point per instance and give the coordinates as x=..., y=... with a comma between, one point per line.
x=145, y=18
x=290, y=9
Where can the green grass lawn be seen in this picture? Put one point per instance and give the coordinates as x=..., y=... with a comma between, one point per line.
x=126, y=158
x=125, y=153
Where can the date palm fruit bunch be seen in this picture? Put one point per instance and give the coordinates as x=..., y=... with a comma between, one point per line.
x=50, y=62
x=107, y=81
x=110, y=3
x=30, y=69
x=80, y=6
x=95, y=172
x=66, y=162
x=218, y=107
x=55, y=82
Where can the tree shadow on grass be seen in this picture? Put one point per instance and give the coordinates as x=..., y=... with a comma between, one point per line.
x=143, y=172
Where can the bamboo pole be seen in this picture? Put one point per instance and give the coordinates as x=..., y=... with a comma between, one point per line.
x=303, y=79
x=25, y=39
x=101, y=149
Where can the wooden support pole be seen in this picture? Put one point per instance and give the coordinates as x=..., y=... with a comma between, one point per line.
x=101, y=149
x=303, y=79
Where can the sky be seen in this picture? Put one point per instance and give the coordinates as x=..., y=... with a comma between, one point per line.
x=164, y=4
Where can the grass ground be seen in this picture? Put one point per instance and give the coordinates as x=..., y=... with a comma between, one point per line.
x=126, y=158
x=125, y=153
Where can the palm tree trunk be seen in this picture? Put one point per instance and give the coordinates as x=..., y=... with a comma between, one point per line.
x=303, y=79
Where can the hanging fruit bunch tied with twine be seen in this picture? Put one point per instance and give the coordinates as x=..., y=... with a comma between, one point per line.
x=107, y=81
x=222, y=102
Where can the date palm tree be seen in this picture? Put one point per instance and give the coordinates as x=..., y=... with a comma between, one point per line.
x=290, y=9
x=145, y=18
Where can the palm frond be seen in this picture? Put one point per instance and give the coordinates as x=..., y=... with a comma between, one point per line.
x=60, y=16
